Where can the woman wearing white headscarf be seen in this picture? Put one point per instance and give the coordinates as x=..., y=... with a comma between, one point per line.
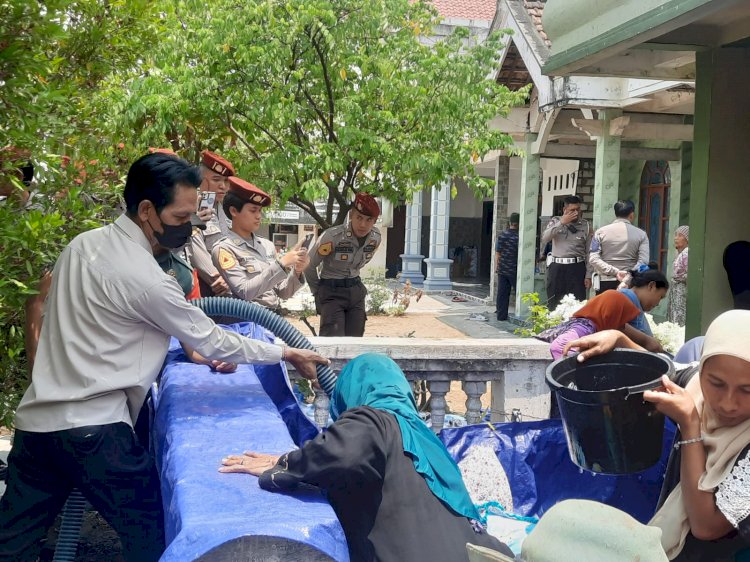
x=706, y=515
x=678, y=292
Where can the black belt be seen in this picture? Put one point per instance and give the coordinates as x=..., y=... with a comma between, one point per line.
x=350, y=282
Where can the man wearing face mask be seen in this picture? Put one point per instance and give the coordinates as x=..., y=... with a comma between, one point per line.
x=108, y=319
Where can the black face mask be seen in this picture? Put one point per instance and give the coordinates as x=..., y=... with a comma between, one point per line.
x=173, y=236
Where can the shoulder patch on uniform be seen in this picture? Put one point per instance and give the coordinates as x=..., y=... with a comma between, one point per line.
x=325, y=249
x=226, y=259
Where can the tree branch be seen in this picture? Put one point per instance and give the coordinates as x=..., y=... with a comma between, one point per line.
x=328, y=127
x=242, y=139
x=329, y=86
x=310, y=209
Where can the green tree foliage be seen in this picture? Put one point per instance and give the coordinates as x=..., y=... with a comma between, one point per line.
x=320, y=99
x=53, y=56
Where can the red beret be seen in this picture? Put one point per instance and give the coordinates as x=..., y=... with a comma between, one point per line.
x=249, y=192
x=366, y=204
x=169, y=151
x=216, y=163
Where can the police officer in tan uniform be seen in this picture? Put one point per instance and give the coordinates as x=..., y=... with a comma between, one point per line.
x=215, y=172
x=569, y=271
x=618, y=248
x=342, y=251
x=247, y=262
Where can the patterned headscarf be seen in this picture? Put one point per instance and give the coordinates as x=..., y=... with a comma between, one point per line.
x=684, y=230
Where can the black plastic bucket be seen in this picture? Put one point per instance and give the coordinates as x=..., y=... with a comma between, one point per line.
x=609, y=427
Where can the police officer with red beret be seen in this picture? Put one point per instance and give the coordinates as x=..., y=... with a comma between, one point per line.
x=248, y=262
x=341, y=251
x=215, y=173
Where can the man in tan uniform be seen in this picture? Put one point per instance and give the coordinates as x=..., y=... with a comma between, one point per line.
x=108, y=320
x=569, y=271
x=215, y=172
x=343, y=250
x=247, y=262
x=617, y=248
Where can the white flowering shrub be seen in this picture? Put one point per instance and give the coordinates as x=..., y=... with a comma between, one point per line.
x=670, y=335
x=567, y=307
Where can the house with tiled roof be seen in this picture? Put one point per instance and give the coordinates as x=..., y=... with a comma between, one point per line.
x=603, y=138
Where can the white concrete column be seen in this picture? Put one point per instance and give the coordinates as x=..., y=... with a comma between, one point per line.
x=411, y=259
x=527, y=251
x=438, y=264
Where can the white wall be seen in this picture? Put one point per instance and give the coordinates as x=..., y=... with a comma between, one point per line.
x=466, y=204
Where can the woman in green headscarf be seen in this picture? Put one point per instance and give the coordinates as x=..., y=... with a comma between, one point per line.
x=397, y=492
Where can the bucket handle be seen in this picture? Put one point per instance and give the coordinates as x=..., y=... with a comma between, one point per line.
x=641, y=388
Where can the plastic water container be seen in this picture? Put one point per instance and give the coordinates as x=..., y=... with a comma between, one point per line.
x=610, y=429
x=321, y=404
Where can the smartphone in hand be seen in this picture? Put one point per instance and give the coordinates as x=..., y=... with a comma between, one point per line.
x=307, y=240
x=208, y=198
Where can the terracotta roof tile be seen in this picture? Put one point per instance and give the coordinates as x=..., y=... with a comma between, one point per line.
x=535, y=8
x=466, y=9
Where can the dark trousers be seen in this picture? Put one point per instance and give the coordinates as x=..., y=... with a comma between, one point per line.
x=342, y=310
x=564, y=279
x=110, y=468
x=504, y=284
x=607, y=286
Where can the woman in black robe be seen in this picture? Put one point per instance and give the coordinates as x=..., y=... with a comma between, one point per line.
x=394, y=487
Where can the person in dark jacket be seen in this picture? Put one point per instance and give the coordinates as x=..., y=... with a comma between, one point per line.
x=396, y=490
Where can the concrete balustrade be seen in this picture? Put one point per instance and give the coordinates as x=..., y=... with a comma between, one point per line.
x=514, y=367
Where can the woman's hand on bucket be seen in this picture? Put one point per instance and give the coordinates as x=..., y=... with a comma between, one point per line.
x=674, y=401
x=599, y=344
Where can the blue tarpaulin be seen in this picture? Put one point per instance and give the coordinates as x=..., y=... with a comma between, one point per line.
x=535, y=458
x=202, y=416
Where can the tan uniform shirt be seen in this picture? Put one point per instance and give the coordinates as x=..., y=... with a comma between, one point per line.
x=569, y=242
x=202, y=243
x=618, y=246
x=252, y=271
x=109, y=315
x=340, y=254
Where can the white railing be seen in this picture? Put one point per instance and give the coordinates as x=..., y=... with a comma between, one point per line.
x=514, y=367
